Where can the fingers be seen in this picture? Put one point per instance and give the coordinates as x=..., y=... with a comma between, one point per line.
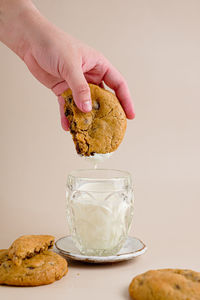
x=60, y=87
x=115, y=81
x=80, y=89
x=64, y=121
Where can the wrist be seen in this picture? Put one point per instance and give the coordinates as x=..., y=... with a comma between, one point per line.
x=15, y=16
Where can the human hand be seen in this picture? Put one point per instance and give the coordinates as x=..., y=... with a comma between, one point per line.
x=59, y=61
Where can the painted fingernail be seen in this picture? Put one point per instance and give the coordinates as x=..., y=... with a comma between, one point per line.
x=87, y=106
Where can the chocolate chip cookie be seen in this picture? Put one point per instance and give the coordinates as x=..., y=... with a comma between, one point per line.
x=43, y=268
x=27, y=246
x=166, y=284
x=101, y=130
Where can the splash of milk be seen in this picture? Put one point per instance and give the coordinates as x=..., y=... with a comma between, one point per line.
x=97, y=158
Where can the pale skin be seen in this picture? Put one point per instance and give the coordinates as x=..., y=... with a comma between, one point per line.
x=58, y=60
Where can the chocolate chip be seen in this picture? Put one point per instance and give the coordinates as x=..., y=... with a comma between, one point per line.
x=51, y=244
x=78, y=149
x=67, y=112
x=92, y=153
x=177, y=286
x=72, y=127
x=141, y=282
x=29, y=255
x=30, y=268
x=96, y=105
x=69, y=98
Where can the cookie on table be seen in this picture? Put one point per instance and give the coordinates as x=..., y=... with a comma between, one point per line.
x=43, y=268
x=166, y=284
x=27, y=246
x=101, y=130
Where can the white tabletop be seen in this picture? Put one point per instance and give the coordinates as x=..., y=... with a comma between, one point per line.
x=166, y=221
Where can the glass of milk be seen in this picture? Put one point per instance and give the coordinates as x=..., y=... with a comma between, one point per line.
x=99, y=210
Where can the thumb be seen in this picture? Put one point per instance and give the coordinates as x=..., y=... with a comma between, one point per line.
x=80, y=89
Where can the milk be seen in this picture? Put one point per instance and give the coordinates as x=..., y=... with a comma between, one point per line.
x=97, y=158
x=101, y=216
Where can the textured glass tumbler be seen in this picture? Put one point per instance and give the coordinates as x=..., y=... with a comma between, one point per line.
x=99, y=210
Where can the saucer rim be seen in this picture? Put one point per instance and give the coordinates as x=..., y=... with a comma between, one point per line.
x=102, y=259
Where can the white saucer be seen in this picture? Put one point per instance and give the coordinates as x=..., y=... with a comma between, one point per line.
x=133, y=247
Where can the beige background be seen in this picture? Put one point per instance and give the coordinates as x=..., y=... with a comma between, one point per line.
x=156, y=46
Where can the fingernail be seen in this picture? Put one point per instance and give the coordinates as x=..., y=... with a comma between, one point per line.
x=86, y=106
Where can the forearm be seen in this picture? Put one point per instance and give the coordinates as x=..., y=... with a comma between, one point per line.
x=15, y=16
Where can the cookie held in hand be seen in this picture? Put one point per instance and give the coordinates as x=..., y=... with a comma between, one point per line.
x=101, y=130
x=166, y=284
x=43, y=268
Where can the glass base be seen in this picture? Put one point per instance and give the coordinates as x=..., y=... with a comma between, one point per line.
x=100, y=252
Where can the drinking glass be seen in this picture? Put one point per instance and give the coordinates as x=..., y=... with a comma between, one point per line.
x=99, y=210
